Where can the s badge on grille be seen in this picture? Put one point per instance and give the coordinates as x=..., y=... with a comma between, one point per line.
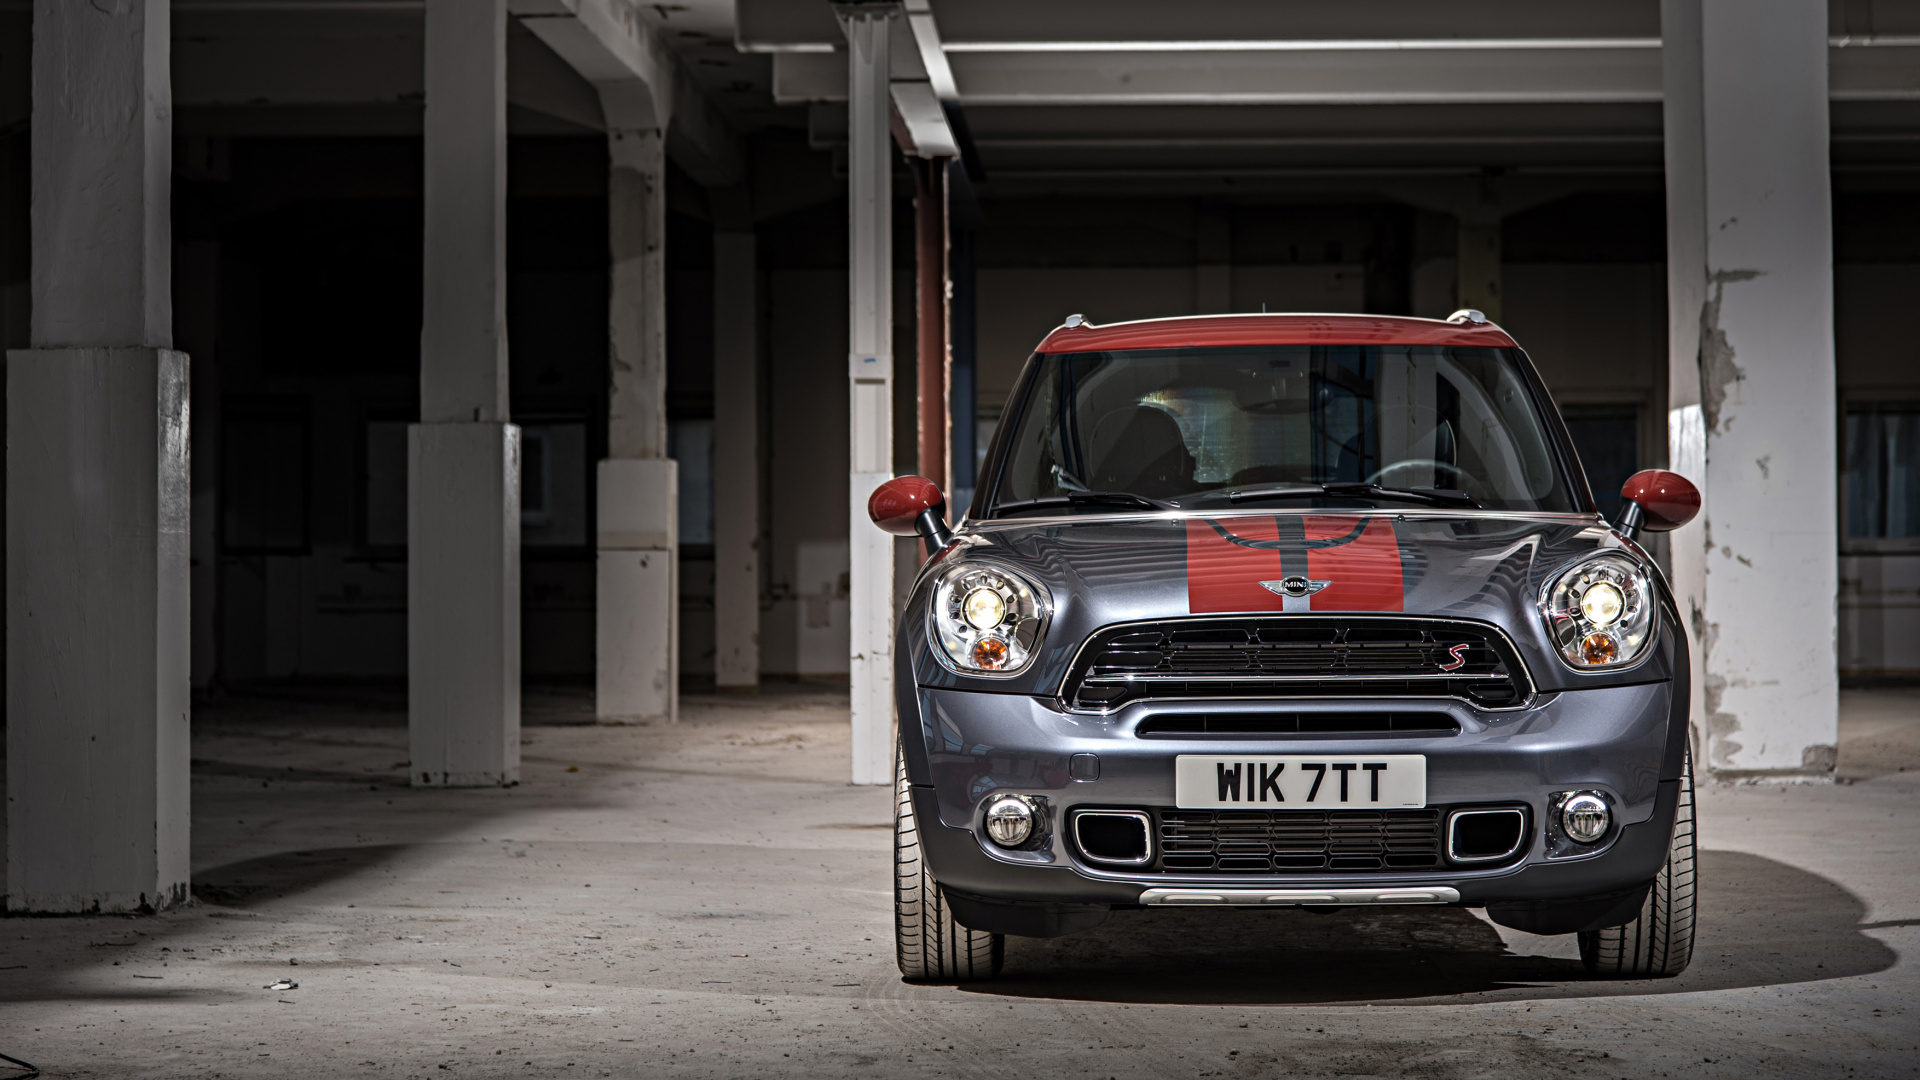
x=1294, y=586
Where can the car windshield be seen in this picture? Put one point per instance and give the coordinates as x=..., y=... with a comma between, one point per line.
x=1278, y=425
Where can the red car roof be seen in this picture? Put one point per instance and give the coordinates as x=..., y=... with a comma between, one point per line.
x=1204, y=330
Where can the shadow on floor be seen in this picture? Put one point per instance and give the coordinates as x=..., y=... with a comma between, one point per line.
x=283, y=872
x=1762, y=923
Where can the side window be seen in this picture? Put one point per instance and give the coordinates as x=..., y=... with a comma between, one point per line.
x=1031, y=461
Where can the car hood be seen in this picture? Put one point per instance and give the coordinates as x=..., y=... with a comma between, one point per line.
x=1107, y=569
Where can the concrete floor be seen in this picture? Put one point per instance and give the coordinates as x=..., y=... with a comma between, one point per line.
x=711, y=899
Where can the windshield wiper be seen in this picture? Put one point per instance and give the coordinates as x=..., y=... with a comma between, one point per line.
x=1430, y=496
x=1085, y=498
x=1284, y=491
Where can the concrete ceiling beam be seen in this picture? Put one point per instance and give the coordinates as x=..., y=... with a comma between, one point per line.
x=789, y=26
x=1344, y=71
x=611, y=47
x=642, y=86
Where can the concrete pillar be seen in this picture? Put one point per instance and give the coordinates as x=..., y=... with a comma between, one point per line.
x=1751, y=375
x=637, y=628
x=463, y=470
x=736, y=456
x=870, y=390
x=196, y=309
x=933, y=382
x=98, y=486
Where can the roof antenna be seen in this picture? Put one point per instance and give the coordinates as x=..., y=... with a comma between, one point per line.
x=1263, y=307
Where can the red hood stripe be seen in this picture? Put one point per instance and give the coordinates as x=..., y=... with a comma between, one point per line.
x=1364, y=574
x=1225, y=576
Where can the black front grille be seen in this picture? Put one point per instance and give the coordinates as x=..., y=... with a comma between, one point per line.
x=1169, y=725
x=1297, y=841
x=1297, y=656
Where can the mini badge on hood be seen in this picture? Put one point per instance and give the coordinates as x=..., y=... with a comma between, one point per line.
x=1294, y=586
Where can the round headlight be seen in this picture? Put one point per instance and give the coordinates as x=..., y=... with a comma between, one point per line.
x=1601, y=603
x=1009, y=820
x=986, y=620
x=984, y=609
x=1600, y=612
x=1585, y=818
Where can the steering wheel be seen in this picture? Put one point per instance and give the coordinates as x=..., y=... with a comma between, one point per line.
x=1462, y=476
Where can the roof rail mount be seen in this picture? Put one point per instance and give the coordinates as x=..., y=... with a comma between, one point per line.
x=1074, y=321
x=1468, y=315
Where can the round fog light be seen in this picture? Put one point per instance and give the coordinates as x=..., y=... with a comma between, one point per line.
x=1585, y=818
x=1009, y=820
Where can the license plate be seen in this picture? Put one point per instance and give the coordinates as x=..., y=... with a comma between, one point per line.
x=1307, y=781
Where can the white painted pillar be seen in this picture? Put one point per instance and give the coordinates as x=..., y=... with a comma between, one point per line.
x=98, y=484
x=870, y=390
x=637, y=625
x=1751, y=375
x=463, y=474
x=736, y=459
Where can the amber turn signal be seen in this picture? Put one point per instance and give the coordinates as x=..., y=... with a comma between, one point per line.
x=989, y=654
x=1599, y=649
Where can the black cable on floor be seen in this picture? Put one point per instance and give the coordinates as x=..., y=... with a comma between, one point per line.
x=32, y=1070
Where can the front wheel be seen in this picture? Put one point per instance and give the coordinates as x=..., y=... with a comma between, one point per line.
x=1659, y=940
x=930, y=944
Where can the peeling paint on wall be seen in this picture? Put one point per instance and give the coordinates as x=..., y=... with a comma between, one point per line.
x=1720, y=726
x=1717, y=369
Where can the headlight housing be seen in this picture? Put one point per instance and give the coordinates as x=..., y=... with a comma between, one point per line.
x=1600, y=613
x=987, y=620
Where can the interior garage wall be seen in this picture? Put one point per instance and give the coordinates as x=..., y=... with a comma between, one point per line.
x=1597, y=332
x=1879, y=361
x=804, y=621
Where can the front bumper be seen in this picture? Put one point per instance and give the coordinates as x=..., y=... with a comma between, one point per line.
x=1617, y=740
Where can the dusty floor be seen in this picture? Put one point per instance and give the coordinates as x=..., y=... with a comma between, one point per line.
x=710, y=899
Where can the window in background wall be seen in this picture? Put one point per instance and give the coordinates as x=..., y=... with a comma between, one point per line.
x=690, y=442
x=553, y=483
x=1607, y=438
x=263, y=498
x=1881, y=492
x=383, y=484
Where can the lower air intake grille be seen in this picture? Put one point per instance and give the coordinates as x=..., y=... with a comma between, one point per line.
x=1297, y=841
x=1298, y=656
x=1173, y=725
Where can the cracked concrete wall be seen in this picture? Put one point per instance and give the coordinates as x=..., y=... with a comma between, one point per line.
x=1751, y=381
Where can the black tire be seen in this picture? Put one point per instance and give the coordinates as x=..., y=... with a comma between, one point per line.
x=930, y=944
x=1659, y=941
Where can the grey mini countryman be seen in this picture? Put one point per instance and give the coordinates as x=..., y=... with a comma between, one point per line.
x=1289, y=610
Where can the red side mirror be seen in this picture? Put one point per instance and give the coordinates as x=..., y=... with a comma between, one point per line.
x=911, y=506
x=1658, y=501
